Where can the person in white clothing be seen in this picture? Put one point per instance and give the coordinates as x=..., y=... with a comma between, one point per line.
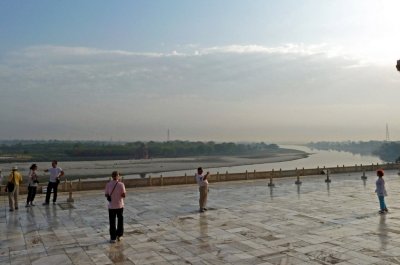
x=55, y=174
x=32, y=185
x=203, y=188
x=381, y=191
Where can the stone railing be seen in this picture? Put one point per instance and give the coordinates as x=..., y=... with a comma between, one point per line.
x=88, y=184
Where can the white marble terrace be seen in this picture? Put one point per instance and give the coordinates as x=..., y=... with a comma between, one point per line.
x=247, y=223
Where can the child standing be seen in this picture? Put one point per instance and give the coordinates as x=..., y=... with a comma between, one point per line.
x=381, y=191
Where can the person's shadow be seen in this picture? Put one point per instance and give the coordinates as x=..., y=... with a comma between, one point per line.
x=203, y=227
x=271, y=193
x=116, y=253
x=382, y=232
x=328, y=189
x=298, y=192
x=51, y=216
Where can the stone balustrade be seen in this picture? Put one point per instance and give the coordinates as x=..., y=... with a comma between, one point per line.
x=87, y=184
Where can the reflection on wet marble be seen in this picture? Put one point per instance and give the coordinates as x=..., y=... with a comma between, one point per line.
x=247, y=223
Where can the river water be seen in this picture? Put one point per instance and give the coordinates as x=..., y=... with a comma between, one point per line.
x=317, y=158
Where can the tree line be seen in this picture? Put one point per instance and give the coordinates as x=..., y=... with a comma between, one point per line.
x=95, y=150
x=385, y=150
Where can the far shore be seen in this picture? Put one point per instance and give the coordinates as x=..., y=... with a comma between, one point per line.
x=95, y=169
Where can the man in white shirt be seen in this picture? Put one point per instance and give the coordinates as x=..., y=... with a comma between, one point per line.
x=54, y=180
x=203, y=188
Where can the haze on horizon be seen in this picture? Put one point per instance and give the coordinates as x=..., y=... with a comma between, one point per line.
x=228, y=70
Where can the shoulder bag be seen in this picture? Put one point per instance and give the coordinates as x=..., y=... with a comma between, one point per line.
x=109, y=196
x=10, y=184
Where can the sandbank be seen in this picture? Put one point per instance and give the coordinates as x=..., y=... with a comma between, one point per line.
x=84, y=169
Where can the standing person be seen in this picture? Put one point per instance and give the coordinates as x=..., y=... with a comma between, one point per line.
x=1, y=178
x=381, y=191
x=32, y=185
x=55, y=174
x=16, y=178
x=115, y=193
x=203, y=188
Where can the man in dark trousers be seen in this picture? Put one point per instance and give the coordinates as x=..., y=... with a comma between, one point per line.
x=115, y=193
x=55, y=174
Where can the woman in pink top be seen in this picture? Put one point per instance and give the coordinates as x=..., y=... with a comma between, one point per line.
x=115, y=193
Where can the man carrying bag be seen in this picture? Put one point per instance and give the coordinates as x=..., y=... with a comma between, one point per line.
x=115, y=193
x=14, y=180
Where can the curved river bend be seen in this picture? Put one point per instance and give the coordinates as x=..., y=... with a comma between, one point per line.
x=316, y=158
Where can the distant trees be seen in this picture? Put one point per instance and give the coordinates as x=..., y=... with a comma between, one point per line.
x=186, y=148
x=359, y=147
x=387, y=151
x=91, y=150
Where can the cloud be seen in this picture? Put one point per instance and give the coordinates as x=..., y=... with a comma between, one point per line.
x=299, y=49
x=241, y=92
x=50, y=51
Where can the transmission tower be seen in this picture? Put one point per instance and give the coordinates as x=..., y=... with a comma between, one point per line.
x=387, y=133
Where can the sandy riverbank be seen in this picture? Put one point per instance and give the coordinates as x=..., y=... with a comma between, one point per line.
x=129, y=167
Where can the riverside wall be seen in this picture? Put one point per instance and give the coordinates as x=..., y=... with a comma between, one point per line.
x=87, y=184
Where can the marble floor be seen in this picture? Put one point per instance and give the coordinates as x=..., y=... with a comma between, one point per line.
x=247, y=223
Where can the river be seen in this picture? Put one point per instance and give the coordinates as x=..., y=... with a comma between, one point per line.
x=316, y=158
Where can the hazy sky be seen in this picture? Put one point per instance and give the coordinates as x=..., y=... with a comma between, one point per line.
x=222, y=70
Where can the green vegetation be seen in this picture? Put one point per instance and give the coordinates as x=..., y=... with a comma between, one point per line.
x=94, y=150
x=362, y=148
x=387, y=151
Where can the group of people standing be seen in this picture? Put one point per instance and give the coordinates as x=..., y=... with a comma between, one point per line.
x=202, y=182
x=115, y=193
x=15, y=180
